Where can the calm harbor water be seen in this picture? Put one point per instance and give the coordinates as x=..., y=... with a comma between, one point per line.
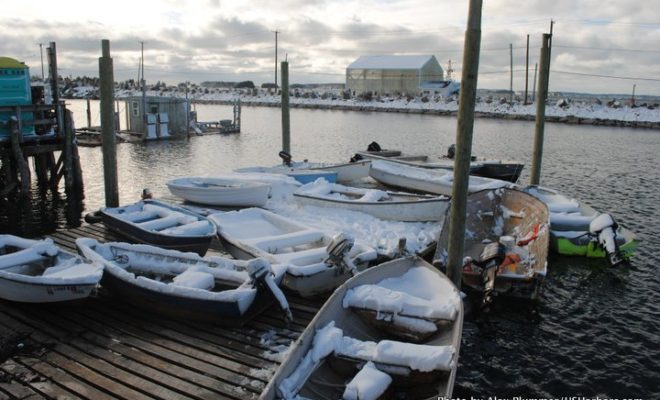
x=595, y=331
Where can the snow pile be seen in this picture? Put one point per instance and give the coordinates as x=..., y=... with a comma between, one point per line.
x=369, y=384
x=433, y=298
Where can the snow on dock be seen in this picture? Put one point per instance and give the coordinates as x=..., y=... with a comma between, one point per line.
x=105, y=348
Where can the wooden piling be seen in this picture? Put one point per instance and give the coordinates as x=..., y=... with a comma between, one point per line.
x=109, y=145
x=537, y=154
x=89, y=114
x=464, y=130
x=286, y=126
x=23, y=167
x=73, y=182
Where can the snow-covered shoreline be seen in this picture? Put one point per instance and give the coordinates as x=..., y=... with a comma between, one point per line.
x=584, y=111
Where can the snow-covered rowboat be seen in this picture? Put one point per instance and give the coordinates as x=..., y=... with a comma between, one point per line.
x=507, y=233
x=185, y=285
x=435, y=181
x=301, y=175
x=318, y=263
x=37, y=271
x=496, y=169
x=220, y=191
x=579, y=230
x=161, y=224
x=392, y=331
x=346, y=172
x=381, y=204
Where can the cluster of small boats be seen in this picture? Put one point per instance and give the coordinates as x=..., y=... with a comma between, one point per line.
x=388, y=330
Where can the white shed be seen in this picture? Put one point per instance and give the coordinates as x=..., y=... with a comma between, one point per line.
x=393, y=74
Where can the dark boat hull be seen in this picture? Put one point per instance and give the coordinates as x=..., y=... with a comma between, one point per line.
x=509, y=172
x=225, y=313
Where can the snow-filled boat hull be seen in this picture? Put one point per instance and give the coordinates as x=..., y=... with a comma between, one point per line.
x=434, y=181
x=184, y=303
x=38, y=285
x=342, y=173
x=253, y=232
x=495, y=169
x=390, y=206
x=196, y=243
x=227, y=191
x=328, y=378
x=493, y=214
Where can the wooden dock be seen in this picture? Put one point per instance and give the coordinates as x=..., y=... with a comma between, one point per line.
x=104, y=348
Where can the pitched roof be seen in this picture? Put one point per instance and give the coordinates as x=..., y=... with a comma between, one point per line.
x=390, y=62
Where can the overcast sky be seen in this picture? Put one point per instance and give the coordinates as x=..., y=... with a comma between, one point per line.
x=200, y=40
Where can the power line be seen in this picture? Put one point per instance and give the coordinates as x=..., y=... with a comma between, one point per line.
x=606, y=76
x=605, y=48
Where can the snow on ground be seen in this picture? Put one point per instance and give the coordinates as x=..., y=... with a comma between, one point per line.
x=382, y=235
x=563, y=108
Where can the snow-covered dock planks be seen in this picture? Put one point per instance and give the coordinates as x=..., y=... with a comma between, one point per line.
x=105, y=348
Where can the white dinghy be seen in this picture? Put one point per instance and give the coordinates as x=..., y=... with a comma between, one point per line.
x=392, y=331
x=38, y=271
x=220, y=191
x=381, y=204
x=185, y=285
x=426, y=180
x=318, y=263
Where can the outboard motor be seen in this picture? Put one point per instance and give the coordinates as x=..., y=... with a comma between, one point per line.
x=286, y=157
x=603, y=227
x=451, y=151
x=490, y=258
x=338, y=250
x=374, y=146
x=261, y=274
x=356, y=157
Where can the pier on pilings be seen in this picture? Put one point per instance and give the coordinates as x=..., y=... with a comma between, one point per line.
x=34, y=133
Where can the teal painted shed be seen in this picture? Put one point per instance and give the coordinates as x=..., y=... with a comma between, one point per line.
x=14, y=91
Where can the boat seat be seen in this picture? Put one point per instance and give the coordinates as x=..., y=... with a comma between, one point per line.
x=139, y=216
x=303, y=258
x=25, y=256
x=199, y=228
x=195, y=279
x=274, y=244
x=381, y=299
x=166, y=222
x=418, y=357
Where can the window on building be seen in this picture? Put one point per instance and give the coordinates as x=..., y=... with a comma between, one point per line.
x=135, y=108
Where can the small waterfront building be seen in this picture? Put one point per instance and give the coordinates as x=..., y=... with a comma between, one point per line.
x=164, y=116
x=393, y=74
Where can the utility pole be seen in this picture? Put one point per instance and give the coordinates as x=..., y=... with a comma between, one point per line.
x=275, y=32
x=144, y=90
x=537, y=154
x=536, y=67
x=41, y=52
x=464, y=129
x=527, y=70
x=286, y=125
x=511, y=69
x=632, y=100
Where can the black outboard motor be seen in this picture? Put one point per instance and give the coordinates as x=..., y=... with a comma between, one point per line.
x=491, y=257
x=356, y=157
x=451, y=151
x=261, y=274
x=604, y=227
x=286, y=157
x=373, y=146
x=338, y=250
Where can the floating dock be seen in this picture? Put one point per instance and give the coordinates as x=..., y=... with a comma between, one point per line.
x=107, y=349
